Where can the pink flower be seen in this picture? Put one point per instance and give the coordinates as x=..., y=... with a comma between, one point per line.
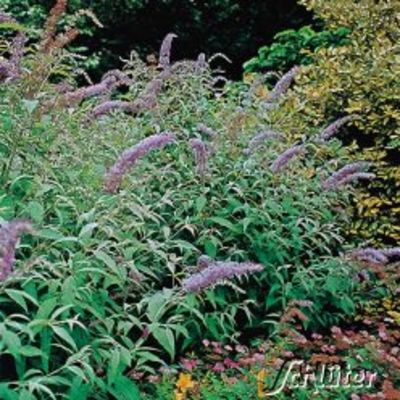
x=189, y=365
x=258, y=357
x=241, y=349
x=218, y=367
x=230, y=363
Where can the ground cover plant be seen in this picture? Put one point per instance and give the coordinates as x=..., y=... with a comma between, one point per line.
x=159, y=213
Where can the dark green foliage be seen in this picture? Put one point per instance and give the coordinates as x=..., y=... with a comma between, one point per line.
x=292, y=47
x=233, y=27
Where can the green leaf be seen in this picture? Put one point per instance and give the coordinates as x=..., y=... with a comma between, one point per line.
x=30, y=351
x=166, y=338
x=36, y=211
x=63, y=334
x=125, y=389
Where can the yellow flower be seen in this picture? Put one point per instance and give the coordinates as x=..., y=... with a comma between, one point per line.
x=260, y=383
x=185, y=382
x=179, y=395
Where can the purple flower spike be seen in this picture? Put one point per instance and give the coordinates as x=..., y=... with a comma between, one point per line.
x=110, y=81
x=10, y=233
x=129, y=158
x=201, y=63
x=344, y=174
x=11, y=69
x=282, y=85
x=283, y=160
x=369, y=254
x=259, y=139
x=356, y=177
x=200, y=152
x=333, y=128
x=165, y=50
x=147, y=100
x=376, y=256
x=216, y=272
x=393, y=252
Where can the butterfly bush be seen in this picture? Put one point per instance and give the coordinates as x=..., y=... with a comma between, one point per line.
x=200, y=153
x=368, y=254
x=201, y=64
x=147, y=100
x=392, y=252
x=333, y=128
x=11, y=69
x=282, y=85
x=259, y=139
x=376, y=256
x=348, y=173
x=129, y=158
x=165, y=50
x=284, y=159
x=216, y=272
x=356, y=177
x=110, y=81
x=10, y=233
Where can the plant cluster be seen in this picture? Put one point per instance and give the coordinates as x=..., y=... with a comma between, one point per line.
x=294, y=47
x=152, y=210
x=358, y=78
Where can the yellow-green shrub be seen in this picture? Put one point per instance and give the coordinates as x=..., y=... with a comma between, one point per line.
x=360, y=78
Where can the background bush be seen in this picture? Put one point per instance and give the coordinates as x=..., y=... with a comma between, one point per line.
x=230, y=26
x=96, y=294
x=358, y=78
x=294, y=47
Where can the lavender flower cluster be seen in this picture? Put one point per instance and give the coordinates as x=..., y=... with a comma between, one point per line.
x=10, y=232
x=216, y=272
x=165, y=50
x=129, y=158
x=148, y=99
x=259, y=139
x=201, y=64
x=282, y=85
x=11, y=69
x=200, y=153
x=375, y=256
x=109, y=82
x=333, y=128
x=349, y=173
x=283, y=160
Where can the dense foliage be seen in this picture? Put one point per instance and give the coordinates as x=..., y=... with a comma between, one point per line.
x=359, y=78
x=158, y=211
x=294, y=47
x=231, y=26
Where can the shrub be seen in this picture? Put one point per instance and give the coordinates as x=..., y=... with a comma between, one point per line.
x=97, y=294
x=233, y=26
x=293, y=47
x=359, y=79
